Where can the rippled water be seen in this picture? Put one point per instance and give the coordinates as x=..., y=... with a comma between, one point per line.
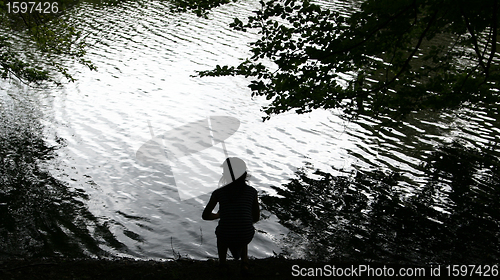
x=145, y=57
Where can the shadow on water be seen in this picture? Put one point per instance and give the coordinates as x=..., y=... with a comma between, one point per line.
x=452, y=218
x=40, y=215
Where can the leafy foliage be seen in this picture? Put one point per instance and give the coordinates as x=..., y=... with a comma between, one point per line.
x=389, y=57
x=52, y=36
x=11, y=64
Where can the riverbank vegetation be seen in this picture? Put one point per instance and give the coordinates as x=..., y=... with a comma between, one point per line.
x=31, y=36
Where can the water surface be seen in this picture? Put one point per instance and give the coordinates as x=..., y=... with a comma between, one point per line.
x=146, y=57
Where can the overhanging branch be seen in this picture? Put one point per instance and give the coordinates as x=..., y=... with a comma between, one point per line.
x=494, y=26
x=474, y=39
x=409, y=58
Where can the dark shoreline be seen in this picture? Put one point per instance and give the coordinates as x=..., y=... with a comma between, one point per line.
x=124, y=268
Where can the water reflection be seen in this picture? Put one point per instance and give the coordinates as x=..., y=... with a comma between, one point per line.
x=363, y=217
x=39, y=214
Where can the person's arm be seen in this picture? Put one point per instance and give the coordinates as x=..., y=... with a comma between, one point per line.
x=207, y=213
x=255, y=209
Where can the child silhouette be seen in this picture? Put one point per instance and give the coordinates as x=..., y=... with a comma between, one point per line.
x=238, y=211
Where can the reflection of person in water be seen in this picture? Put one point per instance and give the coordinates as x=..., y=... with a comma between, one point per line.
x=238, y=210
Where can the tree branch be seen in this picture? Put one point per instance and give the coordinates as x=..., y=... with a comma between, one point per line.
x=409, y=58
x=28, y=25
x=494, y=37
x=474, y=39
